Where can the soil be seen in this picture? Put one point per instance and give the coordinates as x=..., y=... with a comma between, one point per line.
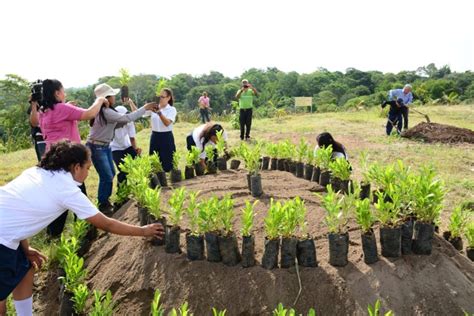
x=132, y=268
x=439, y=133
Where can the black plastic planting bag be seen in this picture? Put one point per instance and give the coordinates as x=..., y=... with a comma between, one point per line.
x=212, y=247
x=281, y=164
x=300, y=170
x=162, y=220
x=154, y=181
x=270, y=254
x=143, y=215
x=199, y=169
x=324, y=178
x=188, y=172
x=338, y=249
x=422, y=243
x=288, y=252
x=66, y=307
x=256, y=185
x=308, y=172
x=274, y=164
x=369, y=246
x=407, y=236
x=176, y=176
x=364, y=191
x=234, y=164
x=316, y=174
x=221, y=163
x=229, y=250
x=390, y=240
x=248, y=251
x=162, y=178
x=194, y=247
x=265, y=163
x=306, y=253
x=172, y=240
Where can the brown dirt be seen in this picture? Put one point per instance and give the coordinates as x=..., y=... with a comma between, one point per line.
x=439, y=133
x=132, y=268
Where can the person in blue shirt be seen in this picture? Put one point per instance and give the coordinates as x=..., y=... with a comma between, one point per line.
x=407, y=98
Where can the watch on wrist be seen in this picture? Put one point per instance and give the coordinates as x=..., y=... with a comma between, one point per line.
x=158, y=112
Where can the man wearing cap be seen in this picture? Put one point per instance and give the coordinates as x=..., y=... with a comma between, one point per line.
x=406, y=96
x=245, y=95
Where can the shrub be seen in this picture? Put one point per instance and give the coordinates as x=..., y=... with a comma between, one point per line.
x=458, y=221
x=273, y=220
x=176, y=159
x=75, y=273
x=226, y=214
x=272, y=150
x=208, y=215
x=428, y=194
x=192, y=157
x=103, y=304
x=324, y=156
x=335, y=219
x=470, y=234
x=192, y=212
x=220, y=144
x=388, y=207
x=302, y=149
x=210, y=153
x=80, y=296
x=152, y=201
x=363, y=215
x=156, y=308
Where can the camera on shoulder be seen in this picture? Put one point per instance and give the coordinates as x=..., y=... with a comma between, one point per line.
x=36, y=91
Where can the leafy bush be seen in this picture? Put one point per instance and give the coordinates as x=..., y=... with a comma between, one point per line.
x=470, y=234
x=192, y=212
x=324, y=156
x=80, y=296
x=388, y=207
x=155, y=163
x=156, y=308
x=103, y=304
x=226, y=214
x=192, y=157
x=124, y=78
x=273, y=220
x=75, y=274
x=363, y=215
x=335, y=218
x=458, y=221
x=220, y=144
x=210, y=153
x=151, y=201
x=176, y=160
x=272, y=150
x=302, y=149
x=208, y=215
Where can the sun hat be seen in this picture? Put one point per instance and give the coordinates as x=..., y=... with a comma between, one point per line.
x=104, y=90
x=245, y=81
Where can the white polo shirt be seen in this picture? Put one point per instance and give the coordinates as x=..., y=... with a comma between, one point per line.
x=199, y=140
x=34, y=199
x=122, y=136
x=157, y=124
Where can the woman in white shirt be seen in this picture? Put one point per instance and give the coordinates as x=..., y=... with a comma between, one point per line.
x=124, y=143
x=33, y=200
x=202, y=136
x=162, y=139
x=325, y=139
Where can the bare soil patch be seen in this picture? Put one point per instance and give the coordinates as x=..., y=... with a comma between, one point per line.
x=439, y=133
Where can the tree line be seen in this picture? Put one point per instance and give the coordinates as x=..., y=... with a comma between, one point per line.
x=331, y=91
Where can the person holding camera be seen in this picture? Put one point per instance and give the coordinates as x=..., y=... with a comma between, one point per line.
x=162, y=138
x=58, y=121
x=406, y=98
x=33, y=200
x=204, y=107
x=37, y=138
x=100, y=136
x=245, y=95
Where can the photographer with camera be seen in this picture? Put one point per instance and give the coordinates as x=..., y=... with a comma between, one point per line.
x=31, y=201
x=245, y=95
x=58, y=121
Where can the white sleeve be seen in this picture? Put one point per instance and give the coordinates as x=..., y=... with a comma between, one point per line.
x=80, y=204
x=131, y=129
x=172, y=114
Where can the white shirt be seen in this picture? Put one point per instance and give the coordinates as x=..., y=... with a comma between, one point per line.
x=335, y=154
x=157, y=124
x=34, y=199
x=122, y=136
x=199, y=140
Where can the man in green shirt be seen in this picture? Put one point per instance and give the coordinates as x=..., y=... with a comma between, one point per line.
x=245, y=95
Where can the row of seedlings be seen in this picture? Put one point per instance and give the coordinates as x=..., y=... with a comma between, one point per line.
x=286, y=230
x=461, y=222
x=74, y=293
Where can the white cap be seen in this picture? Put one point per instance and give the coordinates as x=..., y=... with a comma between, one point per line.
x=407, y=86
x=121, y=109
x=104, y=90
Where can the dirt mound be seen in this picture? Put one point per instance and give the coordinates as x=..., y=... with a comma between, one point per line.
x=439, y=133
x=132, y=268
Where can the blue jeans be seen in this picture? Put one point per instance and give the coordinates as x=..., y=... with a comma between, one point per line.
x=103, y=162
x=394, y=119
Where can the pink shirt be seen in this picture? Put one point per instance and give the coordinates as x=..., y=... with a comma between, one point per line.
x=61, y=123
x=204, y=100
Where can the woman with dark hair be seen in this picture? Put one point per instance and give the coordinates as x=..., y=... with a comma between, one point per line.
x=33, y=200
x=202, y=136
x=100, y=136
x=325, y=139
x=162, y=139
x=58, y=120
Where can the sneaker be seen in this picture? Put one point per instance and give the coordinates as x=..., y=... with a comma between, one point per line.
x=107, y=209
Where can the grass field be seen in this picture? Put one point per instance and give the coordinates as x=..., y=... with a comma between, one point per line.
x=358, y=131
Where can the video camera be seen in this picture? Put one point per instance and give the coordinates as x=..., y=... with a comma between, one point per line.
x=37, y=91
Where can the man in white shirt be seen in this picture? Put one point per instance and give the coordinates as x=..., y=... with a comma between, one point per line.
x=33, y=200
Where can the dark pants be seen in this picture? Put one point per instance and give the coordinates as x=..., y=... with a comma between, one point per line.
x=205, y=115
x=13, y=267
x=394, y=119
x=56, y=228
x=40, y=147
x=245, y=121
x=118, y=156
x=163, y=144
x=405, y=116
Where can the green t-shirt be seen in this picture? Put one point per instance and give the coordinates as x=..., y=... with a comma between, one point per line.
x=246, y=99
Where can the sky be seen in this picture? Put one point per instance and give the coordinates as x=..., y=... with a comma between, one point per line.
x=78, y=42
